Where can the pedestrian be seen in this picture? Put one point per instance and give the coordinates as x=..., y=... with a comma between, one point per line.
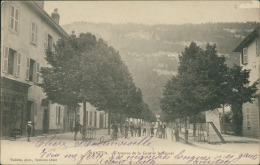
x=76, y=129
x=136, y=129
x=29, y=130
x=126, y=130
x=152, y=130
x=176, y=131
x=144, y=130
x=139, y=130
x=115, y=131
x=148, y=130
x=172, y=132
x=132, y=129
x=164, y=132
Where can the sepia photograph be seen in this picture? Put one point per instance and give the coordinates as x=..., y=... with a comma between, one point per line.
x=130, y=82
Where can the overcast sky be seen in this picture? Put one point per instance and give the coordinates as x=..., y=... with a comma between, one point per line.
x=155, y=12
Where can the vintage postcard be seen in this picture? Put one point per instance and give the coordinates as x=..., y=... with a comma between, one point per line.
x=130, y=82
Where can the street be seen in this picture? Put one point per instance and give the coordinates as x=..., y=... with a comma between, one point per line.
x=62, y=149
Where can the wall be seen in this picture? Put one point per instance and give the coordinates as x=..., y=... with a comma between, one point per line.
x=253, y=65
x=21, y=43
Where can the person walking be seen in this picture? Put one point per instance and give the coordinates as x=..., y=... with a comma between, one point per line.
x=76, y=129
x=126, y=130
x=132, y=129
x=176, y=132
x=29, y=130
x=136, y=130
x=139, y=130
x=144, y=130
x=152, y=130
x=115, y=131
x=148, y=130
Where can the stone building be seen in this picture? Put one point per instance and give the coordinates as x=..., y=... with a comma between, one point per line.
x=27, y=30
x=250, y=59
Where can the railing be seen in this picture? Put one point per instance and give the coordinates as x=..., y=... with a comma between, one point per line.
x=90, y=133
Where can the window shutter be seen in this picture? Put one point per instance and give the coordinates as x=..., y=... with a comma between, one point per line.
x=37, y=72
x=56, y=114
x=245, y=56
x=45, y=41
x=18, y=68
x=36, y=30
x=6, y=53
x=28, y=68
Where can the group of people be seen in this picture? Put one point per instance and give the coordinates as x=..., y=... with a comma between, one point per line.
x=158, y=130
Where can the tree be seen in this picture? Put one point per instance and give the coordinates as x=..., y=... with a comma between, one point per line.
x=241, y=93
x=196, y=87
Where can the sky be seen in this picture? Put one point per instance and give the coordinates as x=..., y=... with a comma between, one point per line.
x=154, y=12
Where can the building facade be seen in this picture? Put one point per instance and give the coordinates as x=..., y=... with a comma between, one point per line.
x=250, y=60
x=94, y=118
x=27, y=31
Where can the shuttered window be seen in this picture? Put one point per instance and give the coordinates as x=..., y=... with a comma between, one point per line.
x=37, y=72
x=34, y=33
x=245, y=56
x=28, y=68
x=6, y=53
x=14, y=22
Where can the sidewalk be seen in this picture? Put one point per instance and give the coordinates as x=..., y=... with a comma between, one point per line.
x=234, y=144
x=69, y=136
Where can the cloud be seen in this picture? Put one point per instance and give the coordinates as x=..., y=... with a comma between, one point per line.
x=253, y=4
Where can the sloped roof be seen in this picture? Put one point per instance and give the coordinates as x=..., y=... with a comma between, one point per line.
x=47, y=17
x=247, y=40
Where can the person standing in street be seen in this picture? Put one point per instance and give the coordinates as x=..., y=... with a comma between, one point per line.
x=29, y=130
x=144, y=130
x=152, y=130
x=148, y=130
x=176, y=131
x=132, y=129
x=139, y=130
x=126, y=130
x=76, y=129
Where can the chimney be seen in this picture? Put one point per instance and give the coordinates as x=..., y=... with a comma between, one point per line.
x=55, y=16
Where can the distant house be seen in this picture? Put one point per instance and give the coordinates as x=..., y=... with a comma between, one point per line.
x=27, y=31
x=250, y=59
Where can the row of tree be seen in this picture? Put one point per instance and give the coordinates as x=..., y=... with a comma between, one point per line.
x=204, y=82
x=84, y=69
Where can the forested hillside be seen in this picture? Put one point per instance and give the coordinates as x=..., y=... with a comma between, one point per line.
x=151, y=51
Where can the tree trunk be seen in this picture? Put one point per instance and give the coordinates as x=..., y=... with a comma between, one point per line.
x=223, y=119
x=84, y=120
x=194, y=126
x=109, y=120
x=120, y=122
x=238, y=118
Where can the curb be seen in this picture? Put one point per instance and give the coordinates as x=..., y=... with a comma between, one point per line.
x=210, y=148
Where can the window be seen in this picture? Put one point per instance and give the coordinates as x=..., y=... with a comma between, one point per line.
x=34, y=33
x=32, y=71
x=245, y=55
x=58, y=114
x=247, y=118
x=12, y=62
x=48, y=42
x=90, y=120
x=95, y=119
x=257, y=47
x=14, y=25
